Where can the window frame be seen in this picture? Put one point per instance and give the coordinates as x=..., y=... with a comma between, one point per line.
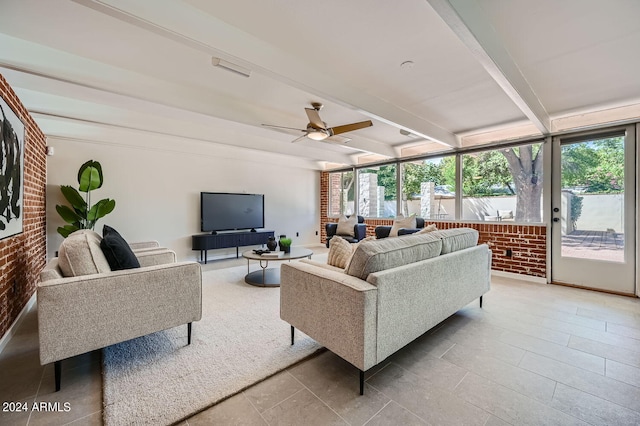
x=458, y=155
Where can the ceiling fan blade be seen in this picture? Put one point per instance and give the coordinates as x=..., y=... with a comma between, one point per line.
x=314, y=118
x=299, y=138
x=283, y=127
x=350, y=127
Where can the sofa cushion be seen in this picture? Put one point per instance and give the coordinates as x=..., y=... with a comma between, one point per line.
x=456, y=239
x=402, y=222
x=339, y=252
x=80, y=254
x=427, y=229
x=378, y=255
x=117, y=250
x=346, y=225
x=505, y=214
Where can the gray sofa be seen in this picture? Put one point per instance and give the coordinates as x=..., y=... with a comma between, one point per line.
x=99, y=307
x=392, y=291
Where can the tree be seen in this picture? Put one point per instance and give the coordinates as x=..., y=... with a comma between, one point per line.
x=594, y=166
x=577, y=160
x=347, y=191
x=525, y=165
x=415, y=174
x=386, y=178
x=485, y=174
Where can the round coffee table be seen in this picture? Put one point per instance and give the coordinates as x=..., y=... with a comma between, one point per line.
x=270, y=277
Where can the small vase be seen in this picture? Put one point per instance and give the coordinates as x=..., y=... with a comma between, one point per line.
x=272, y=245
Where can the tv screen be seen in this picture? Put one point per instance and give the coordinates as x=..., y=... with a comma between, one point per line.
x=221, y=211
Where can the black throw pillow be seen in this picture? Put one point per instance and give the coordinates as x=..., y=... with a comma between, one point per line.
x=117, y=251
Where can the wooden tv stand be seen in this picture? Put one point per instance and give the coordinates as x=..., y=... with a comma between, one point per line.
x=204, y=242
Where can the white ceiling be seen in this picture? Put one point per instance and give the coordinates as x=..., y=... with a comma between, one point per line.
x=483, y=70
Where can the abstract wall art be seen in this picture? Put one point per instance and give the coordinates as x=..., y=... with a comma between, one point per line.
x=11, y=172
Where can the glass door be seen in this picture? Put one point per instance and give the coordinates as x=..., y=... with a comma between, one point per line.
x=593, y=228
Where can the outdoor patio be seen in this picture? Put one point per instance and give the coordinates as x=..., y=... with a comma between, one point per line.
x=599, y=245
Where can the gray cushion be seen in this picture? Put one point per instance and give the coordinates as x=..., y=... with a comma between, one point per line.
x=378, y=255
x=80, y=254
x=456, y=239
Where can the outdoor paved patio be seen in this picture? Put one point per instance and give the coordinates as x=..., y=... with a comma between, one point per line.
x=600, y=245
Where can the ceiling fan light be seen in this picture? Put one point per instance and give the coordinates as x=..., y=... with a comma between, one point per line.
x=317, y=135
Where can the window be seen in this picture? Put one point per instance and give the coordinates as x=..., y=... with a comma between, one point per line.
x=341, y=193
x=503, y=184
x=377, y=191
x=428, y=188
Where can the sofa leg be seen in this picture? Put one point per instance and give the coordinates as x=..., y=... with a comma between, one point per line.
x=57, y=368
x=361, y=382
x=188, y=333
x=293, y=332
x=481, y=301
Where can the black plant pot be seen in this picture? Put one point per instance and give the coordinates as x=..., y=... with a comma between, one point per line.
x=285, y=249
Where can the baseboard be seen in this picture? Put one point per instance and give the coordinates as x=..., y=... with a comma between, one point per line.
x=617, y=293
x=12, y=329
x=521, y=277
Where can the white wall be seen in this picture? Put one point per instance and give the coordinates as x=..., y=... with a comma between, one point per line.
x=601, y=212
x=157, y=189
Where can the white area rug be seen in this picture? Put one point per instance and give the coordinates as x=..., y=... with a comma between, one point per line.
x=157, y=379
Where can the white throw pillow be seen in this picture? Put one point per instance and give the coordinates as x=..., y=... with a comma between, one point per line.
x=339, y=252
x=346, y=225
x=427, y=229
x=402, y=222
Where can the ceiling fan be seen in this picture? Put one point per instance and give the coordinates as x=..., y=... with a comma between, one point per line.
x=318, y=130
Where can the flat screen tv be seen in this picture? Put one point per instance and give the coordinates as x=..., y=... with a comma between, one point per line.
x=223, y=211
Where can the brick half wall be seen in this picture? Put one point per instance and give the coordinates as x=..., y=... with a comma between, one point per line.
x=23, y=256
x=528, y=243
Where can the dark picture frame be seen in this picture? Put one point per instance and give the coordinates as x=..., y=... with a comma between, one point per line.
x=12, y=135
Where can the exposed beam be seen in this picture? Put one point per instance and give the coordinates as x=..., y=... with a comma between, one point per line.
x=468, y=21
x=278, y=149
x=181, y=23
x=45, y=88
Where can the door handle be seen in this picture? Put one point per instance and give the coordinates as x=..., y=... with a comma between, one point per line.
x=556, y=219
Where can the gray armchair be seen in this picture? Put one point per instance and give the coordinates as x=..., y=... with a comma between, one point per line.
x=78, y=314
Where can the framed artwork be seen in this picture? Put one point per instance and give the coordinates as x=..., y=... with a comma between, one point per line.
x=11, y=172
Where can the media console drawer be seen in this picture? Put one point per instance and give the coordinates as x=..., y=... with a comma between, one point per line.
x=204, y=242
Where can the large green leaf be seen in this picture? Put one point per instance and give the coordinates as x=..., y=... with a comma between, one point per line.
x=74, y=198
x=81, y=215
x=66, y=230
x=90, y=176
x=68, y=215
x=101, y=209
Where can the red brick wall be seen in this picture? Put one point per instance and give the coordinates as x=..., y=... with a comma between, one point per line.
x=528, y=243
x=22, y=256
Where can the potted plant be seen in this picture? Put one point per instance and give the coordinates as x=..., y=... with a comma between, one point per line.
x=81, y=214
x=285, y=244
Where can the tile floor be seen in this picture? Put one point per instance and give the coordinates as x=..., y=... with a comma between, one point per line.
x=535, y=354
